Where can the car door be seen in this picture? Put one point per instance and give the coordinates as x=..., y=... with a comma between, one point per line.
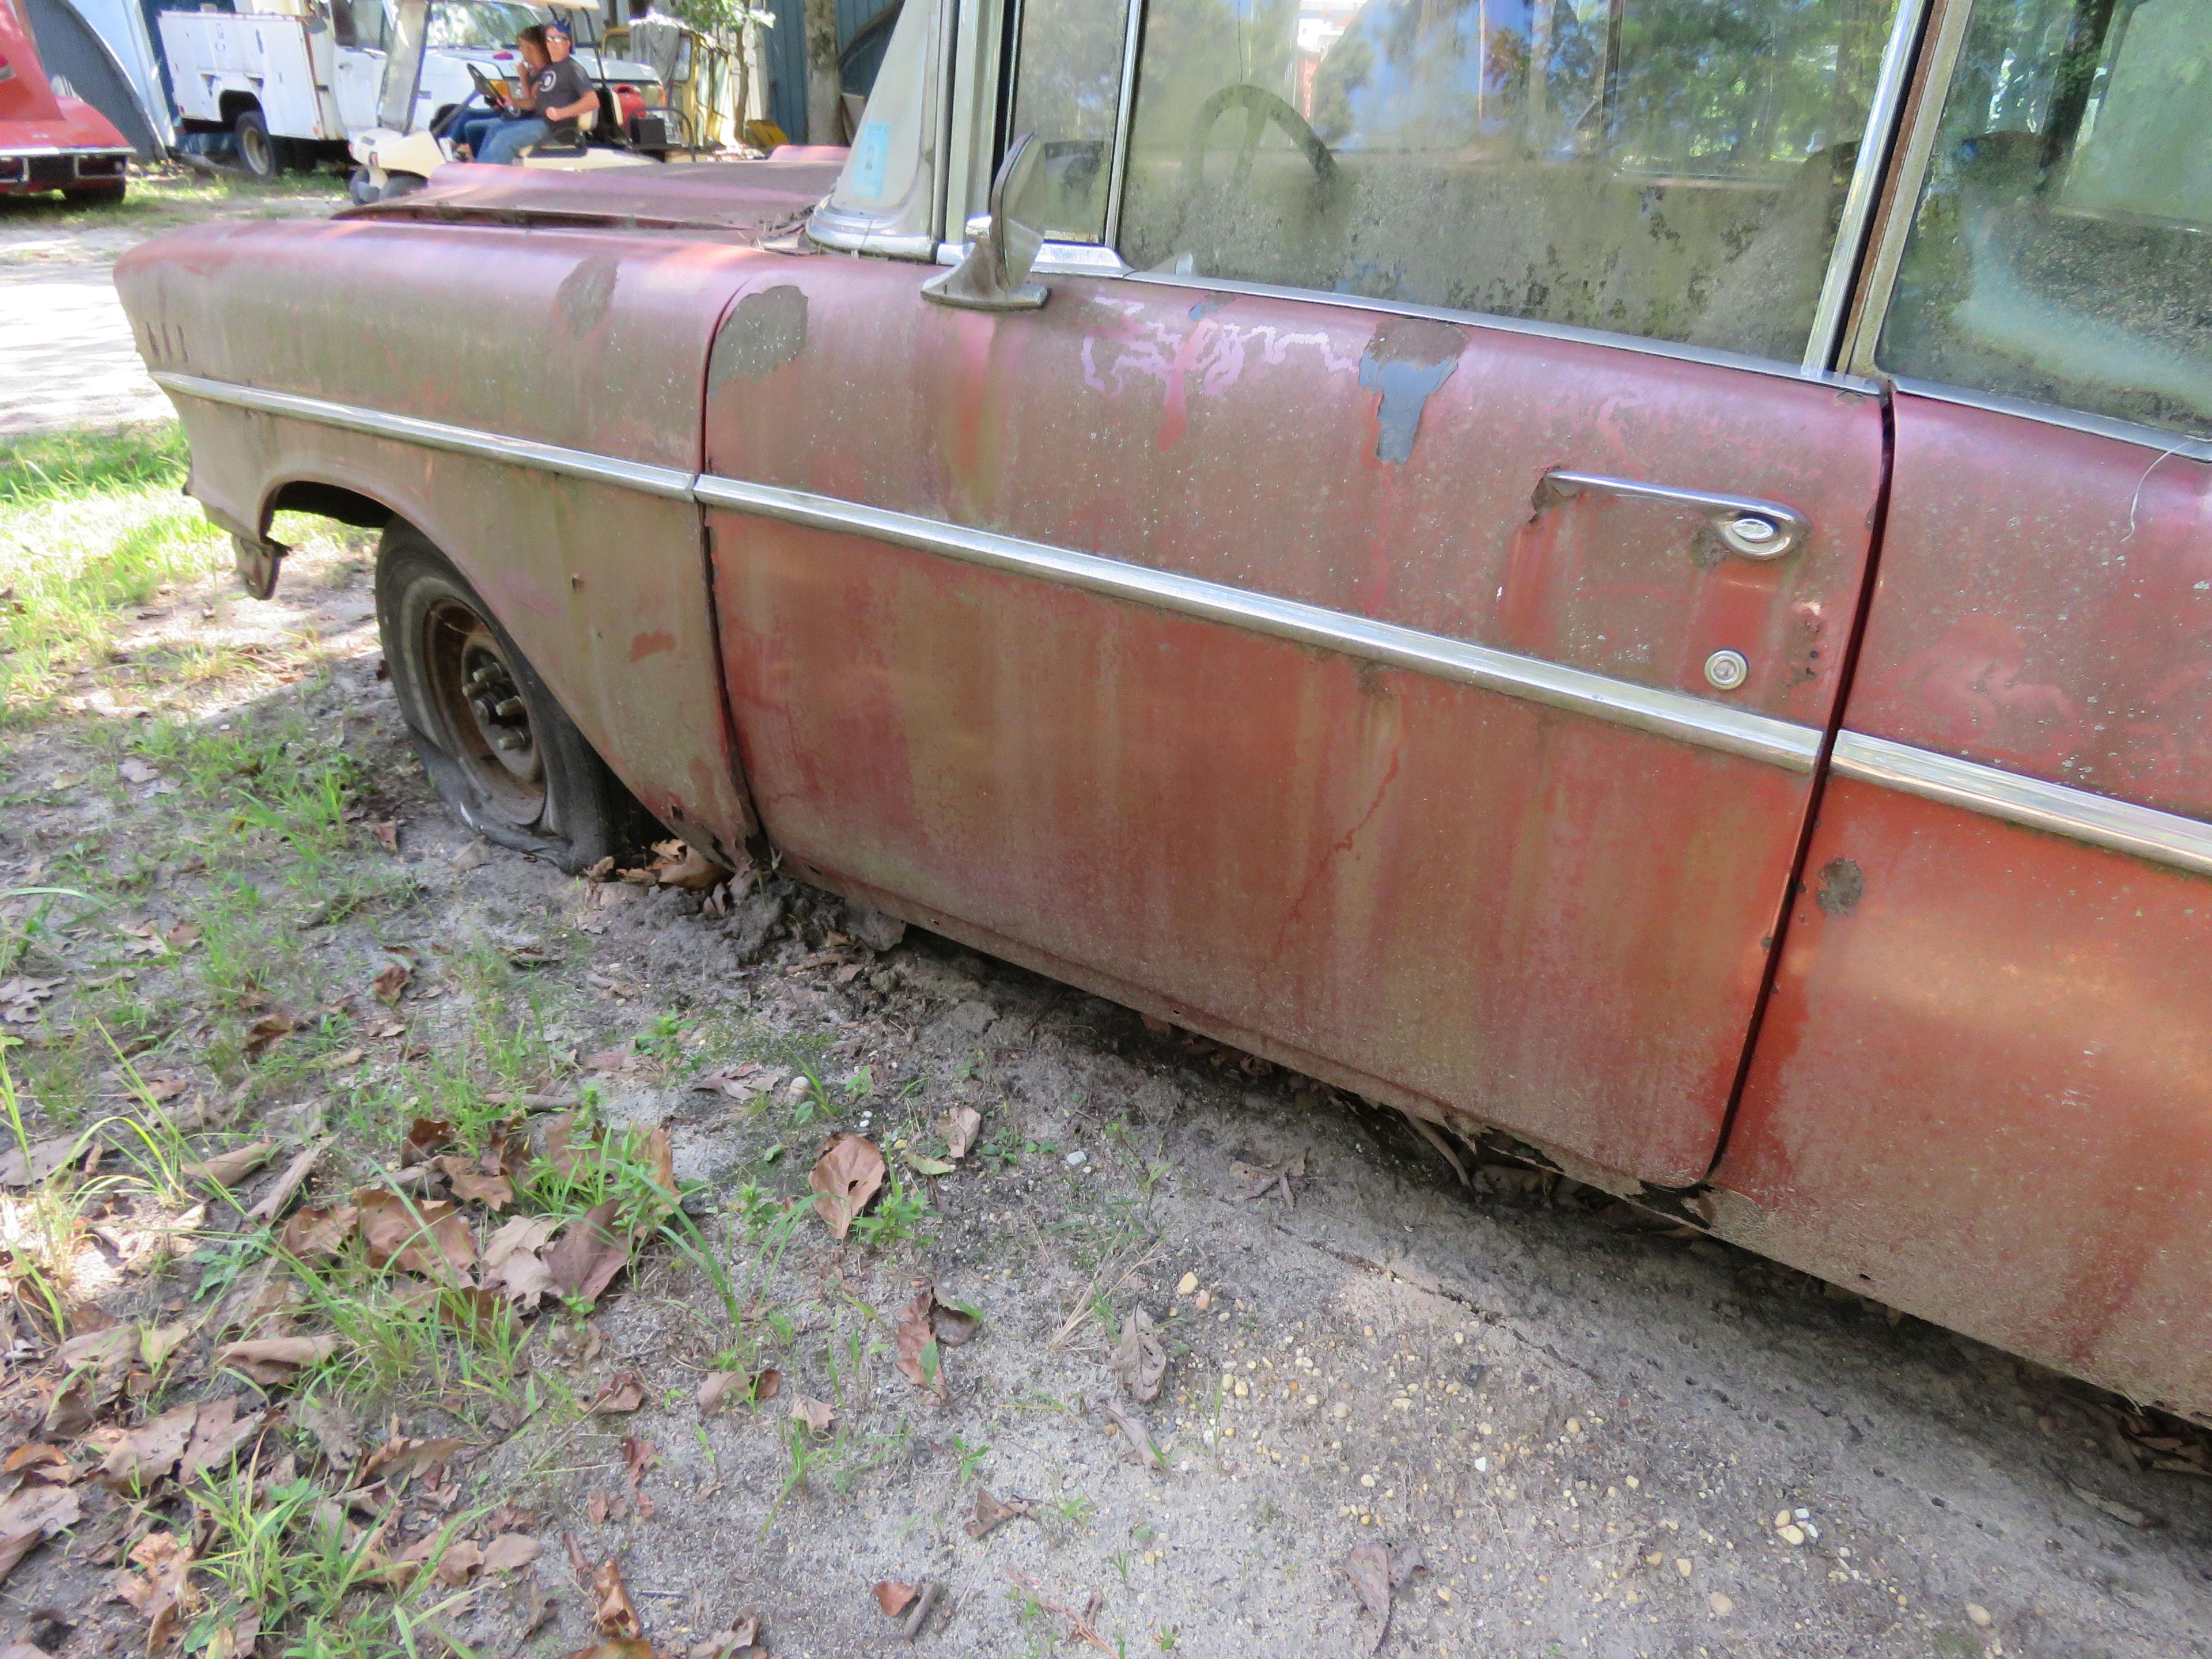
x=1983, y=1091
x=1396, y=628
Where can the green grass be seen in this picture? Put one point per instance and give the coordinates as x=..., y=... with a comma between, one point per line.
x=91, y=526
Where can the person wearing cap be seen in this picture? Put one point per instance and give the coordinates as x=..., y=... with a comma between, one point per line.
x=555, y=95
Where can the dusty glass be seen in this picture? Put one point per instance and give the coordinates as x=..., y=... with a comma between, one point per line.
x=1674, y=169
x=2060, y=251
x=1067, y=90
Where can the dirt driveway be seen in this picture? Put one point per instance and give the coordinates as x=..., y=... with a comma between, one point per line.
x=1519, y=1417
x=66, y=358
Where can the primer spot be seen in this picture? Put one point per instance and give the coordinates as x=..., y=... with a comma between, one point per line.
x=585, y=291
x=1406, y=361
x=1839, y=887
x=651, y=645
x=766, y=331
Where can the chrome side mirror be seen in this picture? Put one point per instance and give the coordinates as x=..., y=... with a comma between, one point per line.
x=994, y=275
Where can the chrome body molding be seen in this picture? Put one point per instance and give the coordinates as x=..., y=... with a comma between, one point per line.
x=1674, y=714
x=1666, y=713
x=2099, y=820
x=1882, y=113
x=436, y=435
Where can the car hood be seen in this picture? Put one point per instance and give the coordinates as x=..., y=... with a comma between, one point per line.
x=748, y=199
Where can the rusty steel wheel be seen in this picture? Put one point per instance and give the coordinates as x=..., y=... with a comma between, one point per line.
x=482, y=717
x=502, y=753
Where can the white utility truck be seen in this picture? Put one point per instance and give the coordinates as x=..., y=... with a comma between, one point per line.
x=294, y=81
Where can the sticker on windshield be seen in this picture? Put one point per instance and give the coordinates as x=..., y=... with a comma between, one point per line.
x=870, y=156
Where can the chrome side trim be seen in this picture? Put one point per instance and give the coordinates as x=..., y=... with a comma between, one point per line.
x=1668, y=348
x=1674, y=714
x=436, y=435
x=1053, y=259
x=1665, y=713
x=2073, y=420
x=1875, y=146
x=2123, y=826
x=1124, y=113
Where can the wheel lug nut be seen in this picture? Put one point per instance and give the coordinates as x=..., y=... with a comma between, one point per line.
x=509, y=709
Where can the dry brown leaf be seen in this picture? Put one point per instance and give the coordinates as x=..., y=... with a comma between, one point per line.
x=36, y=1454
x=216, y=1437
x=620, y=1395
x=163, y=1593
x=157, y=1342
x=311, y=1232
x=596, y=1507
x=430, y=1237
x=494, y=1192
x=150, y=1453
x=268, y=1030
x=228, y=1168
x=719, y=1386
x=588, y=1255
x=847, y=1175
x=45, y=1156
x=894, y=1598
x=30, y=1514
x=273, y=1361
x=1374, y=1572
x=459, y=1562
x=336, y=1431
x=1139, y=1361
x=621, y=1648
x=960, y=1127
x=921, y=1361
x=613, y=1615
x=1142, y=1452
x=817, y=1414
x=511, y=1550
x=273, y=1202
x=991, y=1513
x=391, y=982
x=426, y=1136
x=387, y=831
x=512, y=1264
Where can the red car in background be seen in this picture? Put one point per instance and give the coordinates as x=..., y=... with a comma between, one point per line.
x=48, y=140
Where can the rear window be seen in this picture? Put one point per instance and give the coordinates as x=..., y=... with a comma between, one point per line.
x=2059, y=251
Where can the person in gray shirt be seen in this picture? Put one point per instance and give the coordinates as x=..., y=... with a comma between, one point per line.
x=555, y=94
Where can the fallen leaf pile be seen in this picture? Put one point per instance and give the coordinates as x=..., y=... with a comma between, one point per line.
x=925, y=1328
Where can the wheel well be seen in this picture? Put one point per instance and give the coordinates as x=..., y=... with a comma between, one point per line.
x=328, y=502
x=236, y=104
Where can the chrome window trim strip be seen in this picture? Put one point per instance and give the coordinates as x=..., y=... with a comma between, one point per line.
x=1053, y=259
x=1665, y=713
x=662, y=481
x=1124, y=112
x=2073, y=420
x=1773, y=367
x=1673, y=715
x=2059, y=809
x=1876, y=144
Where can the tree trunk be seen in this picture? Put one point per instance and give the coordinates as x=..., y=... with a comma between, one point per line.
x=823, y=114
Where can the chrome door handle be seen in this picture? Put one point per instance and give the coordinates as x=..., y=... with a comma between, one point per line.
x=1747, y=526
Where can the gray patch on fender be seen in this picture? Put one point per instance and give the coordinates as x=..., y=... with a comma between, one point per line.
x=585, y=291
x=765, y=332
x=1406, y=361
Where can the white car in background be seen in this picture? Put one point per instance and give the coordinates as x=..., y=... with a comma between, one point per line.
x=294, y=81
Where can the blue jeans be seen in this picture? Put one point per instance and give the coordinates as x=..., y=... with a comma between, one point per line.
x=471, y=128
x=507, y=135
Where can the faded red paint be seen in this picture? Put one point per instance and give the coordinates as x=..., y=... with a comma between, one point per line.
x=1523, y=916
x=1985, y=1093
x=651, y=645
x=36, y=121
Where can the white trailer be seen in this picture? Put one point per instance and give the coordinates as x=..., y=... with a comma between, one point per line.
x=293, y=80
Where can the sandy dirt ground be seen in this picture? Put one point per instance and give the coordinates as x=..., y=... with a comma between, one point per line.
x=66, y=356
x=1572, y=1427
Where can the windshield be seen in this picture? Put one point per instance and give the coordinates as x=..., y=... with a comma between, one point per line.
x=480, y=22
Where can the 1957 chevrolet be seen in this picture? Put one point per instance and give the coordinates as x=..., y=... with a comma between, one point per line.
x=1635, y=571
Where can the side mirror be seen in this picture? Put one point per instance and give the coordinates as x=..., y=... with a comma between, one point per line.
x=994, y=275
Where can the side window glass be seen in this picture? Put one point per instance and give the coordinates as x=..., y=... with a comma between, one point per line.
x=2059, y=251
x=1067, y=90
x=1674, y=169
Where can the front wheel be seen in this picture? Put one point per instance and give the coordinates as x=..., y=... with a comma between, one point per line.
x=498, y=749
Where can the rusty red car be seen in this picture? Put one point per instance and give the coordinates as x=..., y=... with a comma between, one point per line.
x=1634, y=573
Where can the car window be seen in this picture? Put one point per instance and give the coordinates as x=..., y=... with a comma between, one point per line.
x=1068, y=91
x=480, y=22
x=358, y=22
x=1674, y=169
x=2059, y=251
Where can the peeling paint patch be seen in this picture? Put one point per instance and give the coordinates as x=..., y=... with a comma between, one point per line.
x=765, y=332
x=1839, y=886
x=651, y=645
x=585, y=291
x=1408, y=359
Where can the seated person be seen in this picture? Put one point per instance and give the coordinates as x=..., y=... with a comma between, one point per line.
x=555, y=94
